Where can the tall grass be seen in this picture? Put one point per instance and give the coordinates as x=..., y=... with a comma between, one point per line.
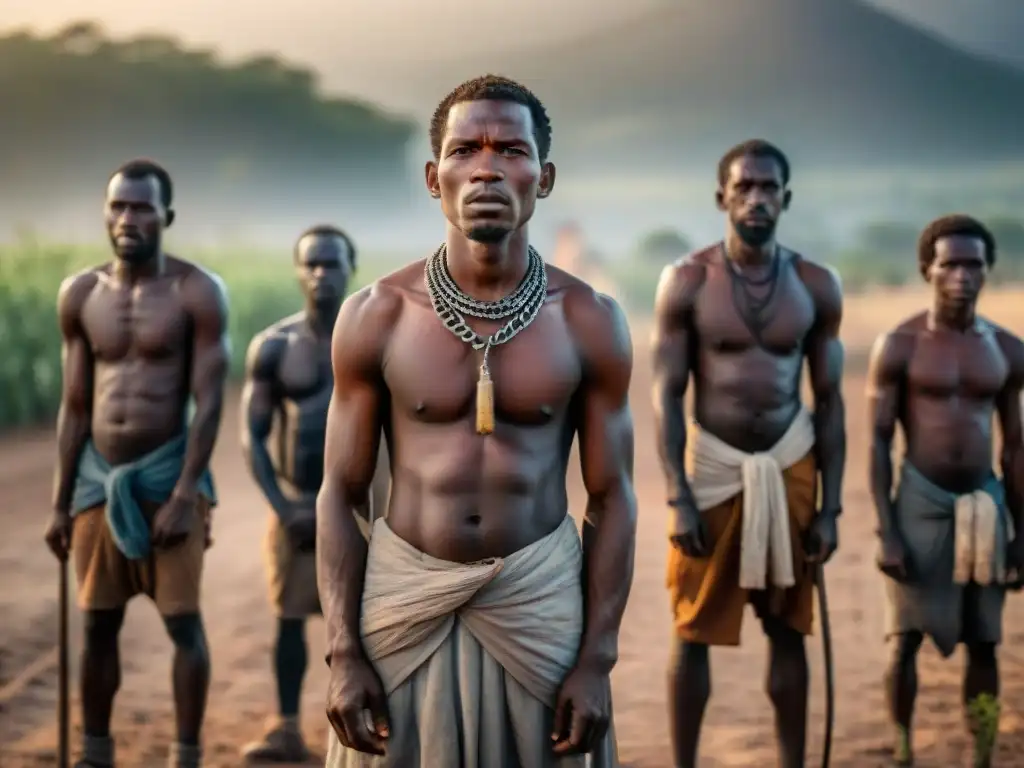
x=261, y=289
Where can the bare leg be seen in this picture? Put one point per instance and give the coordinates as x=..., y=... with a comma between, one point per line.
x=901, y=693
x=689, y=689
x=981, y=679
x=191, y=675
x=787, y=684
x=100, y=678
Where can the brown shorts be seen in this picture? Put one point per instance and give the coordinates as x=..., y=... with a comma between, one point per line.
x=706, y=597
x=291, y=574
x=108, y=580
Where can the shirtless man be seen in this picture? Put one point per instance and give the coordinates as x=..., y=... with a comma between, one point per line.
x=144, y=339
x=740, y=317
x=475, y=624
x=288, y=376
x=946, y=535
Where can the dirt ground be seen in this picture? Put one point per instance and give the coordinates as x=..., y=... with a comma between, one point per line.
x=738, y=726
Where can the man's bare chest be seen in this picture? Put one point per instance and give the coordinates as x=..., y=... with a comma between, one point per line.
x=432, y=376
x=136, y=322
x=957, y=366
x=305, y=378
x=733, y=317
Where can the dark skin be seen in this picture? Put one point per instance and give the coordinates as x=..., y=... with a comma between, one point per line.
x=140, y=336
x=289, y=377
x=746, y=377
x=457, y=495
x=944, y=383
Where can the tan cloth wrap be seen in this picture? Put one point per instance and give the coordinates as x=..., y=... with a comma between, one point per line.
x=107, y=579
x=291, y=574
x=471, y=655
x=718, y=472
x=976, y=517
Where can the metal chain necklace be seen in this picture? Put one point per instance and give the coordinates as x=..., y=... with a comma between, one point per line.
x=451, y=305
x=753, y=308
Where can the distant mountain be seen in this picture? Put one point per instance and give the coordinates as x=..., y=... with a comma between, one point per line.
x=991, y=28
x=834, y=82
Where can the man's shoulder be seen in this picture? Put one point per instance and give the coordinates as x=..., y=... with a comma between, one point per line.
x=195, y=280
x=267, y=347
x=822, y=280
x=283, y=328
x=893, y=348
x=76, y=288
x=596, y=320
x=1011, y=344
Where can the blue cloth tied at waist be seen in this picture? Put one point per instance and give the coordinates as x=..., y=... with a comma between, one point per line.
x=149, y=478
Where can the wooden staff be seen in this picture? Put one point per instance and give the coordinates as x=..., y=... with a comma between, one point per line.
x=63, y=709
x=826, y=646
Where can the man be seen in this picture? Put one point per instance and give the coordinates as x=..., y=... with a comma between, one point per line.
x=474, y=629
x=740, y=317
x=288, y=375
x=144, y=341
x=947, y=538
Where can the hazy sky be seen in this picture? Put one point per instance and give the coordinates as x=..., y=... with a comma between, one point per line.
x=359, y=48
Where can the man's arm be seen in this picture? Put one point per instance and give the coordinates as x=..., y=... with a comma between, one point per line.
x=75, y=414
x=1012, y=450
x=885, y=384
x=259, y=402
x=354, y=421
x=673, y=345
x=605, y=428
x=824, y=353
x=206, y=301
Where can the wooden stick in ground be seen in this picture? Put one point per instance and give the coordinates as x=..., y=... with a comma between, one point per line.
x=63, y=708
x=826, y=646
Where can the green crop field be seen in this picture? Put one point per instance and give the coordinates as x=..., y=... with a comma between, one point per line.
x=261, y=289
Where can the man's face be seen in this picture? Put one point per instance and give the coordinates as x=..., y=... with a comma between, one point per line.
x=753, y=197
x=135, y=217
x=324, y=266
x=958, y=270
x=489, y=175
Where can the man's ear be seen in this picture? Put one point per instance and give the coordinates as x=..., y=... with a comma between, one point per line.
x=169, y=218
x=547, y=181
x=433, y=185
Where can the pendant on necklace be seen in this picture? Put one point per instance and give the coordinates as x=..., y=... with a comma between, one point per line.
x=484, y=402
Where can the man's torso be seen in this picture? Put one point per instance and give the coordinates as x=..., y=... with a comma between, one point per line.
x=304, y=383
x=140, y=338
x=747, y=379
x=948, y=400
x=455, y=494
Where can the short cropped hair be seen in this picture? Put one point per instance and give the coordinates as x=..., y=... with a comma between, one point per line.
x=493, y=88
x=140, y=168
x=952, y=225
x=327, y=230
x=753, y=148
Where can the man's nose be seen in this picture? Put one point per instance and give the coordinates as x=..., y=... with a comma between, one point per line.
x=487, y=168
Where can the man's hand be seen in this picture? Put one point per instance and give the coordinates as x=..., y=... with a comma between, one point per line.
x=583, y=711
x=892, y=556
x=357, y=708
x=1015, y=564
x=822, y=538
x=301, y=527
x=173, y=522
x=58, y=535
x=688, y=533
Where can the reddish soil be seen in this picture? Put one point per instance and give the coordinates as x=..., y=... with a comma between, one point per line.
x=738, y=730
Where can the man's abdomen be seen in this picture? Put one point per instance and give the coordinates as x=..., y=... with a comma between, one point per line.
x=138, y=407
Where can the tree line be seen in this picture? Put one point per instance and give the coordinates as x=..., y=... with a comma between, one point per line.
x=78, y=103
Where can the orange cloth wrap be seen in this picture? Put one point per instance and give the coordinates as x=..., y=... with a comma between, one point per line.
x=707, y=600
